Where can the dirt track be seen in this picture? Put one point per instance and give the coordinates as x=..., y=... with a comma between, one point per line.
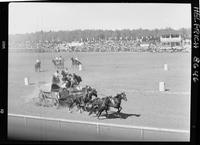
x=138, y=74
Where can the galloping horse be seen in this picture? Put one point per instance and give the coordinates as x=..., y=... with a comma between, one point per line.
x=59, y=64
x=103, y=104
x=99, y=105
x=80, y=98
x=115, y=102
x=77, y=79
x=83, y=97
x=37, y=66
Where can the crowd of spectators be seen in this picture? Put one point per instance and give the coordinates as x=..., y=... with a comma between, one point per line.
x=122, y=45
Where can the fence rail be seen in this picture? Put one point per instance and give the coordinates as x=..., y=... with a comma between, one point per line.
x=101, y=131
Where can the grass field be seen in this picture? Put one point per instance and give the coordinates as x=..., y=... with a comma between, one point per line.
x=138, y=74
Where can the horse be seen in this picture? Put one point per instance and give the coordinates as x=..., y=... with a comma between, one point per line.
x=78, y=98
x=82, y=100
x=66, y=98
x=115, y=101
x=59, y=64
x=67, y=101
x=88, y=97
x=75, y=62
x=99, y=105
x=76, y=80
x=37, y=66
x=103, y=104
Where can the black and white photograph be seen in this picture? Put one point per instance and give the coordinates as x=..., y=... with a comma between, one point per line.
x=99, y=71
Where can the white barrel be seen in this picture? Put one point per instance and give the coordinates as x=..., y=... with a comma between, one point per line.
x=165, y=67
x=26, y=81
x=162, y=86
x=80, y=67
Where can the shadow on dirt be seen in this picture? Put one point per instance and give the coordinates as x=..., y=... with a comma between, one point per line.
x=39, y=83
x=32, y=84
x=120, y=115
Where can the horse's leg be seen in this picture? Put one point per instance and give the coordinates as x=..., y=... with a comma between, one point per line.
x=106, y=113
x=119, y=109
x=84, y=107
x=99, y=113
x=78, y=106
x=69, y=110
x=70, y=107
x=80, y=110
x=58, y=104
x=92, y=109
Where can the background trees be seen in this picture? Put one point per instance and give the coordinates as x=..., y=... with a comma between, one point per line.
x=94, y=35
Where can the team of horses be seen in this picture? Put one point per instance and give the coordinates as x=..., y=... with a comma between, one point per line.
x=85, y=99
x=70, y=94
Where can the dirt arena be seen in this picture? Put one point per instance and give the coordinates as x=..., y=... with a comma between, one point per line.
x=138, y=74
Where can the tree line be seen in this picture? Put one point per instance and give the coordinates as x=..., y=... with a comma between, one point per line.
x=88, y=35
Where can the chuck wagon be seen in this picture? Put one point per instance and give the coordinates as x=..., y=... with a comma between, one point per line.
x=50, y=97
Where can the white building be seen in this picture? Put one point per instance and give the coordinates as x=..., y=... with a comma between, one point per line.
x=187, y=45
x=171, y=41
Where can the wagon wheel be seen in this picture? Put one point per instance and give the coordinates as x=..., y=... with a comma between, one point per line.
x=55, y=96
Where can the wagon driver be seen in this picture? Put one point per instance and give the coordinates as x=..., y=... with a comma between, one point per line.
x=55, y=83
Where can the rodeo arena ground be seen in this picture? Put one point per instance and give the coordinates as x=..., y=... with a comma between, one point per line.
x=99, y=96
